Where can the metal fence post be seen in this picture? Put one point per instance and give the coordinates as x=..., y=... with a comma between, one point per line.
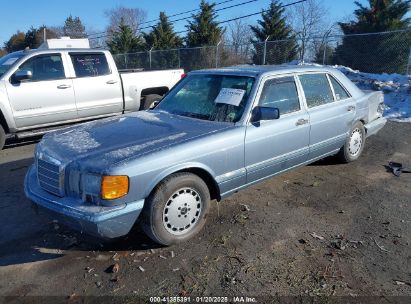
x=179, y=59
x=149, y=56
x=265, y=50
x=409, y=62
x=125, y=60
x=325, y=49
x=216, y=54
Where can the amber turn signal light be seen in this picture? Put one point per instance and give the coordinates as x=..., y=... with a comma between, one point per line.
x=113, y=187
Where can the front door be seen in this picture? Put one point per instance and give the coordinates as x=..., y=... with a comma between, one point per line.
x=277, y=145
x=46, y=98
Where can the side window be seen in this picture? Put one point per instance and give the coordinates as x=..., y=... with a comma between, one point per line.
x=280, y=93
x=90, y=64
x=45, y=67
x=340, y=92
x=316, y=89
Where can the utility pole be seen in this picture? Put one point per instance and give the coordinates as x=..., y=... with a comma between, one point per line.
x=44, y=34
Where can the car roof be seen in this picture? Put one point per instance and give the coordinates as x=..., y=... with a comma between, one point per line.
x=41, y=51
x=262, y=70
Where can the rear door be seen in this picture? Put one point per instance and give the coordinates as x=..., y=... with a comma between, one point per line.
x=97, y=88
x=331, y=110
x=46, y=98
x=277, y=145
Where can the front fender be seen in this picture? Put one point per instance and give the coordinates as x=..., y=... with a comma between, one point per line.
x=5, y=109
x=180, y=167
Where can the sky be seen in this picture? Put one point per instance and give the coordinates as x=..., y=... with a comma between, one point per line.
x=22, y=14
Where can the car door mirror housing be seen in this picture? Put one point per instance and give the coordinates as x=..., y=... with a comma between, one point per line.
x=22, y=75
x=264, y=113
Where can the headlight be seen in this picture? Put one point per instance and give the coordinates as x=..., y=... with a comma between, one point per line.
x=91, y=184
x=113, y=187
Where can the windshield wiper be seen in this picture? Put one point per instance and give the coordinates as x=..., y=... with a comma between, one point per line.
x=194, y=115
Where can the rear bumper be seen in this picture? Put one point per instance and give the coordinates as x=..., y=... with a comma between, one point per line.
x=101, y=221
x=374, y=126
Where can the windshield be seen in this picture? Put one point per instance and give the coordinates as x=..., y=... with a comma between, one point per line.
x=7, y=61
x=209, y=97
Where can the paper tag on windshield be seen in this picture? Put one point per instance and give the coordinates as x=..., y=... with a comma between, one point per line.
x=230, y=96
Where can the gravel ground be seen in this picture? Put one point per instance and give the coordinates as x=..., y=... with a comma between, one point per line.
x=328, y=229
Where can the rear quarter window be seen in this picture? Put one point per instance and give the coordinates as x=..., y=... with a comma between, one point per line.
x=340, y=92
x=90, y=64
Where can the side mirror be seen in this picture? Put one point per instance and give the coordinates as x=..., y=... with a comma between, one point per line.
x=264, y=113
x=22, y=75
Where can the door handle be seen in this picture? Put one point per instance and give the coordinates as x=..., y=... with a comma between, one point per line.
x=350, y=108
x=63, y=86
x=301, y=121
x=111, y=82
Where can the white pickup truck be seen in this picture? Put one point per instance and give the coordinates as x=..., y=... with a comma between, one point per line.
x=49, y=87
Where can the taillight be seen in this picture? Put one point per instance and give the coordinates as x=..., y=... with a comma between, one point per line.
x=183, y=75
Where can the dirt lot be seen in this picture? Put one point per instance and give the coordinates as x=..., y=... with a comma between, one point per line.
x=325, y=229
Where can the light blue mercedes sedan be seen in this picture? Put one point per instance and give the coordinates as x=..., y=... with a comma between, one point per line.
x=216, y=132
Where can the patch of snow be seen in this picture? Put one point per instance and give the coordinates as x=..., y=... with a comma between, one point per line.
x=77, y=140
x=147, y=116
x=126, y=152
x=396, y=89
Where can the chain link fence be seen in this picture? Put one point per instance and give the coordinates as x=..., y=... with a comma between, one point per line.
x=386, y=52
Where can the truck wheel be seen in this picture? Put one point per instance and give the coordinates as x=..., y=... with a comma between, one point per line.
x=2, y=137
x=150, y=101
x=177, y=209
x=354, y=144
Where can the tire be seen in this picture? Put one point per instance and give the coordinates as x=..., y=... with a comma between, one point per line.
x=150, y=101
x=177, y=209
x=354, y=144
x=2, y=137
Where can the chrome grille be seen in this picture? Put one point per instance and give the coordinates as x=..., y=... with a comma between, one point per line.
x=50, y=176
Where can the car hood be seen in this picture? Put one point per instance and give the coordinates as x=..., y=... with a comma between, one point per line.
x=109, y=141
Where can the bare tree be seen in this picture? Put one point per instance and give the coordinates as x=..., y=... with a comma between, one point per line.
x=310, y=21
x=238, y=35
x=132, y=17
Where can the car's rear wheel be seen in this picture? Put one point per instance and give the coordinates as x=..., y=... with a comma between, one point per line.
x=2, y=137
x=177, y=209
x=354, y=145
x=150, y=101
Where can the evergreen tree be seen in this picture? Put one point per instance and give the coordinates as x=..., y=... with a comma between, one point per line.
x=16, y=42
x=124, y=41
x=376, y=53
x=34, y=37
x=74, y=28
x=204, y=29
x=163, y=37
x=273, y=26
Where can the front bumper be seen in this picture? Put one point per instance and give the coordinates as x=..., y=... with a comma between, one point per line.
x=374, y=126
x=101, y=221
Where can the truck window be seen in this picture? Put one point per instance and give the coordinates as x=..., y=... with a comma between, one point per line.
x=280, y=93
x=340, y=92
x=90, y=64
x=45, y=67
x=316, y=89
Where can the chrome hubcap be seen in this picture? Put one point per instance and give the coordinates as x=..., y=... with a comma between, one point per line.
x=182, y=211
x=355, y=142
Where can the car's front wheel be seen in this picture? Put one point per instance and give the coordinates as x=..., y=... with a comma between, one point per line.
x=177, y=209
x=2, y=137
x=354, y=144
x=150, y=101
